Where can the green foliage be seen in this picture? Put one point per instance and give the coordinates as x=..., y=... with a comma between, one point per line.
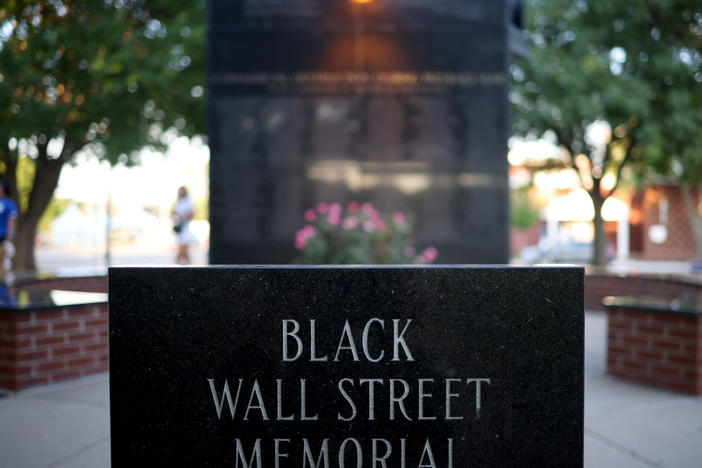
x=523, y=215
x=631, y=66
x=358, y=235
x=25, y=180
x=635, y=65
x=109, y=75
x=55, y=209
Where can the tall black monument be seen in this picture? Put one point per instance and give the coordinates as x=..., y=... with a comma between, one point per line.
x=402, y=103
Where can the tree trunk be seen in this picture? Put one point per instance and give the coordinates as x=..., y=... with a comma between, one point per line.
x=693, y=216
x=46, y=177
x=599, y=254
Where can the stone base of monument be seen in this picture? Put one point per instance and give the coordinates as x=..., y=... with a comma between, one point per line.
x=656, y=342
x=441, y=366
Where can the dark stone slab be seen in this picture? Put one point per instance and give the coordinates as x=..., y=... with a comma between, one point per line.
x=511, y=336
x=398, y=103
x=341, y=46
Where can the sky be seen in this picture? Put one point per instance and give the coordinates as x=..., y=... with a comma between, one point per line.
x=154, y=182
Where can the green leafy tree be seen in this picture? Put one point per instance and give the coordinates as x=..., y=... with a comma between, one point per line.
x=105, y=78
x=523, y=214
x=677, y=152
x=627, y=67
x=25, y=176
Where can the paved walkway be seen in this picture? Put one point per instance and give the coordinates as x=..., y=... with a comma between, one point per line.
x=65, y=425
x=631, y=425
x=626, y=425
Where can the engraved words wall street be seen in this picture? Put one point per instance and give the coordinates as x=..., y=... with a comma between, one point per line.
x=407, y=399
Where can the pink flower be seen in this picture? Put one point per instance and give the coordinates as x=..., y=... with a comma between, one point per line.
x=333, y=217
x=302, y=235
x=354, y=207
x=335, y=208
x=300, y=240
x=310, y=215
x=350, y=223
x=430, y=254
x=308, y=231
x=380, y=223
x=368, y=209
x=410, y=252
x=398, y=217
x=368, y=226
x=300, y=244
x=322, y=208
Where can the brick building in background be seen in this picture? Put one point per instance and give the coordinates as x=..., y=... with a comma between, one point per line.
x=660, y=228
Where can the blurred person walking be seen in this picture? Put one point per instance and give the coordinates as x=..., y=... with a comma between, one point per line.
x=8, y=217
x=182, y=215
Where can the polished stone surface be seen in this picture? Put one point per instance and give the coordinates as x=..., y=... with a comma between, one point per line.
x=402, y=104
x=27, y=299
x=519, y=329
x=685, y=304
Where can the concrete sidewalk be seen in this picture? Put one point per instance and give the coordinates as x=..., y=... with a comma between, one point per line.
x=626, y=425
x=64, y=425
x=631, y=425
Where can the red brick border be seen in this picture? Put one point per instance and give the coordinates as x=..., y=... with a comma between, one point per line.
x=663, y=349
x=39, y=347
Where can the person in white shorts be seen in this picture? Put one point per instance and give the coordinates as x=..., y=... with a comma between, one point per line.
x=182, y=215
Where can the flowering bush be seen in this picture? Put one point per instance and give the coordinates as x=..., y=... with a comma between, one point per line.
x=358, y=234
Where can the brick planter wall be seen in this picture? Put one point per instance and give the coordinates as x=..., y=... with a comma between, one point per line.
x=658, y=348
x=39, y=347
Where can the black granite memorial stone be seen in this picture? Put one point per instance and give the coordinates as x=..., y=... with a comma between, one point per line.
x=402, y=103
x=445, y=367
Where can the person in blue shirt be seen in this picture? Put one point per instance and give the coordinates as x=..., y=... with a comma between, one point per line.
x=8, y=215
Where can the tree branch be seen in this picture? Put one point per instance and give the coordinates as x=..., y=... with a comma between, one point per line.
x=625, y=161
x=42, y=150
x=693, y=217
x=568, y=145
x=70, y=147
